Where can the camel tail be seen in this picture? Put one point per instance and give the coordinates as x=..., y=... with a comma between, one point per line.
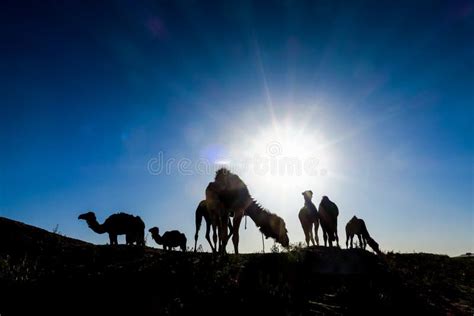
x=184, y=242
x=140, y=231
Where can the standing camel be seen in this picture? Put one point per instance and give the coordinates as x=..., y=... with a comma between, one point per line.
x=228, y=194
x=203, y=212
x=328, y=213
x=308, y=216
x=118, y=224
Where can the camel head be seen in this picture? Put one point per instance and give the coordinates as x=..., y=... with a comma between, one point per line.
x=374, y=245
x=283, y=234
x=88, y=217
x=308, y=195
x=154, y=231
x=278, y=230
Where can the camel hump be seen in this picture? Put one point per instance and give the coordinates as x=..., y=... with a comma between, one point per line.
x=329, y=206
x=122, y=215
x=173, y=233
x=123, y=222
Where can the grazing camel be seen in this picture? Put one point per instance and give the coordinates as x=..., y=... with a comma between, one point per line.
x=118, y=224
x=328, y=213
x=356, y=226
x=308, y=216
x=170, y=239
x=228, y=194
x=203, y=212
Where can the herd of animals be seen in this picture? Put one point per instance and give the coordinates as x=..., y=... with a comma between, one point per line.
x=227, y=196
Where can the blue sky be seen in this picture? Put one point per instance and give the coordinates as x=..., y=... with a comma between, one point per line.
x=379, y=93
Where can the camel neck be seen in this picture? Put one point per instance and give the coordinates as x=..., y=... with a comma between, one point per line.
x=310, y=205
x=256, y=213
x=157, y=238
x=96, y=227
x=262, y=218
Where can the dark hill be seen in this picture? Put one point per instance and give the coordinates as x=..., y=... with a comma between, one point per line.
x=46, y=273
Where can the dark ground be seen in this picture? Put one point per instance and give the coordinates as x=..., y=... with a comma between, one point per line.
x=46, y=273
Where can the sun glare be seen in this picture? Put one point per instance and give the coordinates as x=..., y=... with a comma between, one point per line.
x=282, y=157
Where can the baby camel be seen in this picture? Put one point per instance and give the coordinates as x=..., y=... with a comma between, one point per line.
x=356, y=226
x=203, y=212
x=170, y=239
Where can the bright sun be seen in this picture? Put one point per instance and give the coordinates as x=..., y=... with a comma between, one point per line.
x=281, y=157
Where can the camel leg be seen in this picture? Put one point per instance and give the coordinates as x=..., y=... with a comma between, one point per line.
x=361, y=242
x=325, y=236
x=310, y=230
x=231, y=228
x=330, y=237
x=306, y=235
x=128, y=239
x=235, y=237
x=131, y=239
x=196, y=239
x=214, y=238
x=223, y=231
x=364, y=242
x=347, y=240
x=352, y=240
x=208, y=230
x=316, y=226
x=113, y=239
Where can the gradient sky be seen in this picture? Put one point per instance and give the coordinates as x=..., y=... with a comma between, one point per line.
x=381, y=93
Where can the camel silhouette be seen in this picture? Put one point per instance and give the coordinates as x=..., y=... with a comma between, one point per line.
x=308, y=216
x=118, y=224
x=170, y=239
x=203, y=212
x=328, y=213
x=228, y=194
x=356, y=226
